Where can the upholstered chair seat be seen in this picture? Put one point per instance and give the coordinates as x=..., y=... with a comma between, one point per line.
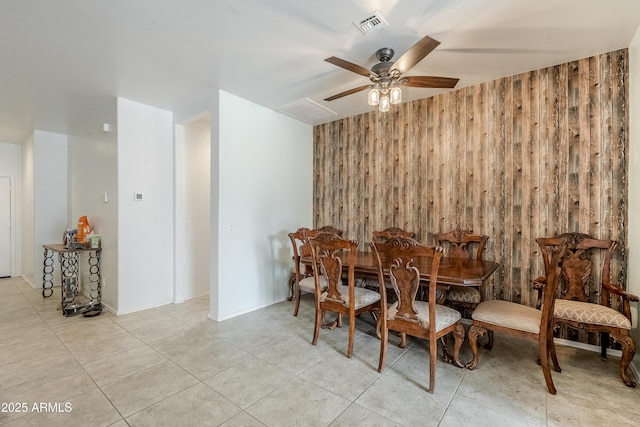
x=370, y=283
x=362, y=296
x=445, y=316
x=464, y=294
x=308, y=284
x=508, y=314
x=594, y=314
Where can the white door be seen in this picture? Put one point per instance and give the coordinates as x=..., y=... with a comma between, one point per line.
x=5, y=226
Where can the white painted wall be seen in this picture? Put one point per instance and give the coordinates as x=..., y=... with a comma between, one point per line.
x=44, y=199
x=27, y=205
x=193, y=213
x=633, y=276
x=261, y=196
x=11, y=166
x=92, y=173
x=145, y=228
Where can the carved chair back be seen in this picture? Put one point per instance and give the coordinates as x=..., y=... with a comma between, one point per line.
x=330, y=229
x=396, y=258
x=300, y=239
x=326, y=249
x=300, y=243
x=462, y=243
x=553, y=251
x=577, y=281
x=387, y=233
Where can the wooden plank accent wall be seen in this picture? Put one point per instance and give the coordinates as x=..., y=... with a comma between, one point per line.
x=532, y=155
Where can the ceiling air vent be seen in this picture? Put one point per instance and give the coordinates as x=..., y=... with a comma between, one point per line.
x=308, y=111
x=374, y=21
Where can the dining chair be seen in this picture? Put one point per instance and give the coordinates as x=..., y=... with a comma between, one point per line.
x=326, y=251
x=461, y=243
x=587, y=263
x=381, y=236
x=396, y=259
x=523, y=321
x=301, y=277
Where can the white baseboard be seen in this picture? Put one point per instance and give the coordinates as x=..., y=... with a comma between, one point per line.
x=27, y=281
x=588, y=347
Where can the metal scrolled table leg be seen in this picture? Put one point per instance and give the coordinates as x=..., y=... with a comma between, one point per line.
x=47, y=274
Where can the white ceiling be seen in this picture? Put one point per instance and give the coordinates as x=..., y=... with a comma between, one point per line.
x=63, y=62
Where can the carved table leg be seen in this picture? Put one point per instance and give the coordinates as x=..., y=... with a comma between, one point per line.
x=474, y=333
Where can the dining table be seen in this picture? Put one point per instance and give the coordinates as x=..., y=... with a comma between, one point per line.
x=451, y=271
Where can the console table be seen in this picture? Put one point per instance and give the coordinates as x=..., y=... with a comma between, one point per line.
x=69, y=259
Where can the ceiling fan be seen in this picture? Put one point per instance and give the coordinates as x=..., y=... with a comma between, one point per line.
x=387, y=76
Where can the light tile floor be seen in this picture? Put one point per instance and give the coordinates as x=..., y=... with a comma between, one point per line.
x=171, y=366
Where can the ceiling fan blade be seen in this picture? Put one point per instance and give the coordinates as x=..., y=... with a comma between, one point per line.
x=415, y=54
x=429, y=82
x=348, y=92
x=350, y=66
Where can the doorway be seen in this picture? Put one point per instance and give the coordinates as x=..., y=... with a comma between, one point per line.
x=193, y=195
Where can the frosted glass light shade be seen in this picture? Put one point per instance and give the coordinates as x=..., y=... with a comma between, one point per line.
x=395, y=95
x=384, y=104
x=374, y=96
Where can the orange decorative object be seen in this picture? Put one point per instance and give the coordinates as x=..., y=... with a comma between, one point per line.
x=84, y=229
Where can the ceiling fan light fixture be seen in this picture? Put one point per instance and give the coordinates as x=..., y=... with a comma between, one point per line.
x=395, y=95
x=374, y=96
x=384, y=104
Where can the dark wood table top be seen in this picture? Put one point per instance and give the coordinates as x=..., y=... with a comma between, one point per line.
x=452, y=271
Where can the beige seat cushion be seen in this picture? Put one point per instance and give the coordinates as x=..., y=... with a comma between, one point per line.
x=362, y=296
x=370, y=282
x=594, y=314
x=467, y=294
x=308, y=284
x=508, y=314
x=445, y=316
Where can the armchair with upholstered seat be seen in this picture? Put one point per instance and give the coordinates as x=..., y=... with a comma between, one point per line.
x=460, y=243
x=523, y=321
x=592, y=310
